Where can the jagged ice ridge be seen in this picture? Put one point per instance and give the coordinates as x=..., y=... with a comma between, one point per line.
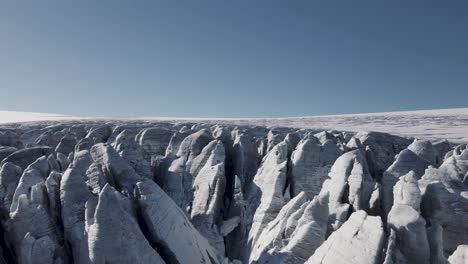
x=128, y=191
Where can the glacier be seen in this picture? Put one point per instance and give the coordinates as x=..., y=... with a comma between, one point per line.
x=336, y=189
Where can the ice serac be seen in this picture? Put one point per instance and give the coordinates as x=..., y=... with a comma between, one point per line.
x=9, y=178
x=406, y=191
x=177, y=180
x=35, y=173
x=52, y=184
x=310, y=232
x=132, y=152
x=383, y=147
x=445, y=201
x=274, y=137
x=30, y=222
x=74, y=194
x=170, y=228
x=442, y=146
x=100, y=133
x=270, y=184
x=300, y=233
x=53, y=164
x=24, y=157
x=131, y=130
x=84, y=144
x=460, y=256
x=349, y=188
x=208, y=194
x=425, y=150
x=117, y=171
x=457, y=151
x=292, y=138
x=49, y=138
x=274, y=232
x=154, y=141
x=406, y=161
x=113, y=232
x=404, y=219
x=66, y=145
x=359, y=240
x=10, y=138
x=310, y=165
x=175, y=141
x=161, y=163
x=38, y=251
x=63, y=161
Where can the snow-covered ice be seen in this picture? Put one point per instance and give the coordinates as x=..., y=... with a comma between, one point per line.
x=162, y=190
x=450, y=124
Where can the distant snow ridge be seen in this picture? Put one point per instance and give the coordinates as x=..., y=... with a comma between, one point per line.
x=450, y=124
x=123, y=191
x=13, y=117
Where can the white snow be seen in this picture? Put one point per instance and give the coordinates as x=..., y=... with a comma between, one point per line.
x=14, y=117
x=451, y=124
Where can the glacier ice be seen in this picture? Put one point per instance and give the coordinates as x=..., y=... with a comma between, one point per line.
x=123, y=191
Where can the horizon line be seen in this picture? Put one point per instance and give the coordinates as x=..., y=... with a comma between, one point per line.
x=155, y=117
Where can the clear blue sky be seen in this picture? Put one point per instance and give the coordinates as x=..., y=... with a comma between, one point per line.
x=232, y=58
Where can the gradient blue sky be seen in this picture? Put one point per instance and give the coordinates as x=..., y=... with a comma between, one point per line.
x=232, y=58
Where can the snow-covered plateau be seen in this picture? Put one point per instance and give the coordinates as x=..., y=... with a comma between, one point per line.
x=366, y=188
